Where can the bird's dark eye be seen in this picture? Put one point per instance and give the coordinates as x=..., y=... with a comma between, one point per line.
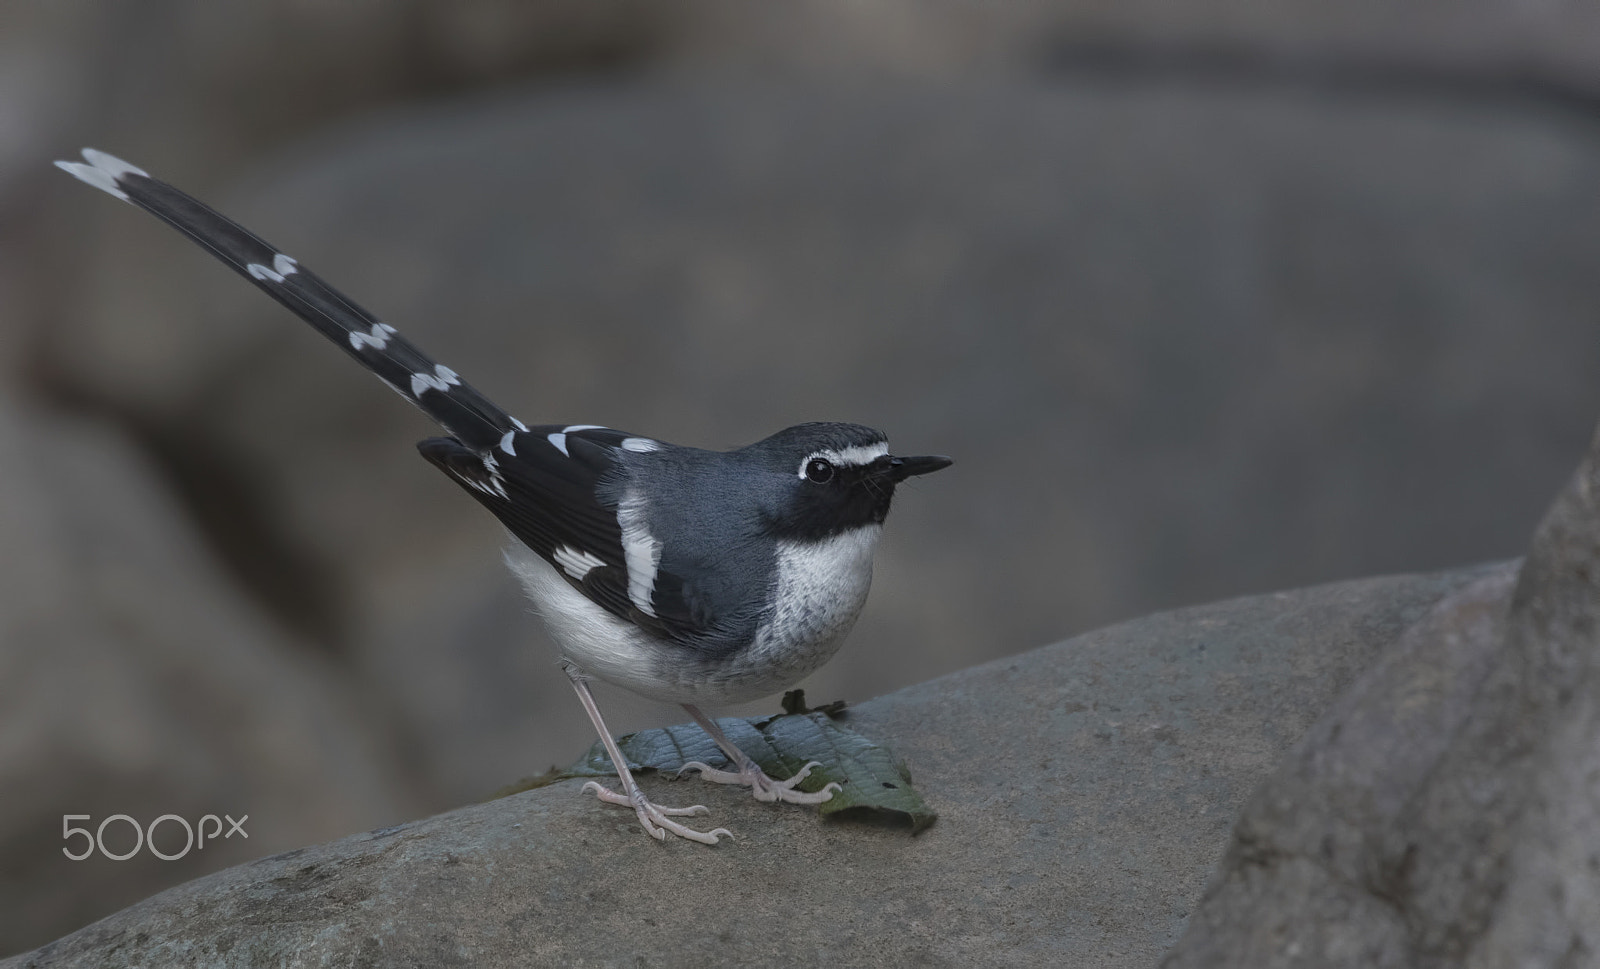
x=819, y=470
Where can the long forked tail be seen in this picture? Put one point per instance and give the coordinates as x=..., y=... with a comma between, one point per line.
x=435, y=388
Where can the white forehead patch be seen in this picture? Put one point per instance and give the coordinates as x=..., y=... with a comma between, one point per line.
x=849, y=457
x=441, y=379
x=282, y=266
x=576, y=562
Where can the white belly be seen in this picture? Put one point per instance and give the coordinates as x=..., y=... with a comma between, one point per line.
x=818, y=591
x=592, y=639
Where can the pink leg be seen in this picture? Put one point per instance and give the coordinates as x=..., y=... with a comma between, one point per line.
x=748, y=774
x=654, y=818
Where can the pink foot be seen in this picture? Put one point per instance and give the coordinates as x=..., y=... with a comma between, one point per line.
x=763, y=787
x=657, y=820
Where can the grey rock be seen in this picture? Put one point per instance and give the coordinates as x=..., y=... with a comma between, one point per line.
x=134, y=681
x=1446, y=811
x=1084, y=789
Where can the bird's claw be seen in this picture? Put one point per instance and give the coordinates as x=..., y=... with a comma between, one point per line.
x=764, y=788
x=655, y=819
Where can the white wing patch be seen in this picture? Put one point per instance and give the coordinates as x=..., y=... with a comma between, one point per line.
x=849, y=457
x=576, y=562
x=640, y=551
x=282, y=266
x=641, y=445
x=102, y=171
x=519, y=425
x=505, y=443
x=377, y=337
x=442, y=379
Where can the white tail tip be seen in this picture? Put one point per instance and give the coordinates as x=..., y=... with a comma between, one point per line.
x=102, y=171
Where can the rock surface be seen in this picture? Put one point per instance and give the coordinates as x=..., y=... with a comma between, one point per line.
x=1085, y=791
x=1446, y=811
x=133, y=681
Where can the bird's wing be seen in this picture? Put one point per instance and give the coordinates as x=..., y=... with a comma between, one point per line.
x=551, y=486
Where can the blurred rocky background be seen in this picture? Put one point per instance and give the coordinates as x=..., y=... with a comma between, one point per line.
x=1205, y=299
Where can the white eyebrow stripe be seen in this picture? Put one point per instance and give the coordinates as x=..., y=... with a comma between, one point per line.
x=858, y=456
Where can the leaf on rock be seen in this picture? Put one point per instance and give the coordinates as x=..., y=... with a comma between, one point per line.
x=872, y=780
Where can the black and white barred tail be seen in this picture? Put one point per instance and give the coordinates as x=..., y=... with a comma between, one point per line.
x=433, y=387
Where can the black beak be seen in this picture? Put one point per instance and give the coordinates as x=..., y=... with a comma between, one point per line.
x=902, y=468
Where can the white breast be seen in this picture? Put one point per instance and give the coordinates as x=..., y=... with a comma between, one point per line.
x=819, y=590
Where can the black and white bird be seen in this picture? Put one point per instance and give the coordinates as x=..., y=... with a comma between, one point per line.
x=691, y=576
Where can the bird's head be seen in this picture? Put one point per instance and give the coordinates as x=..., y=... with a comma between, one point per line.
x=831, y=478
